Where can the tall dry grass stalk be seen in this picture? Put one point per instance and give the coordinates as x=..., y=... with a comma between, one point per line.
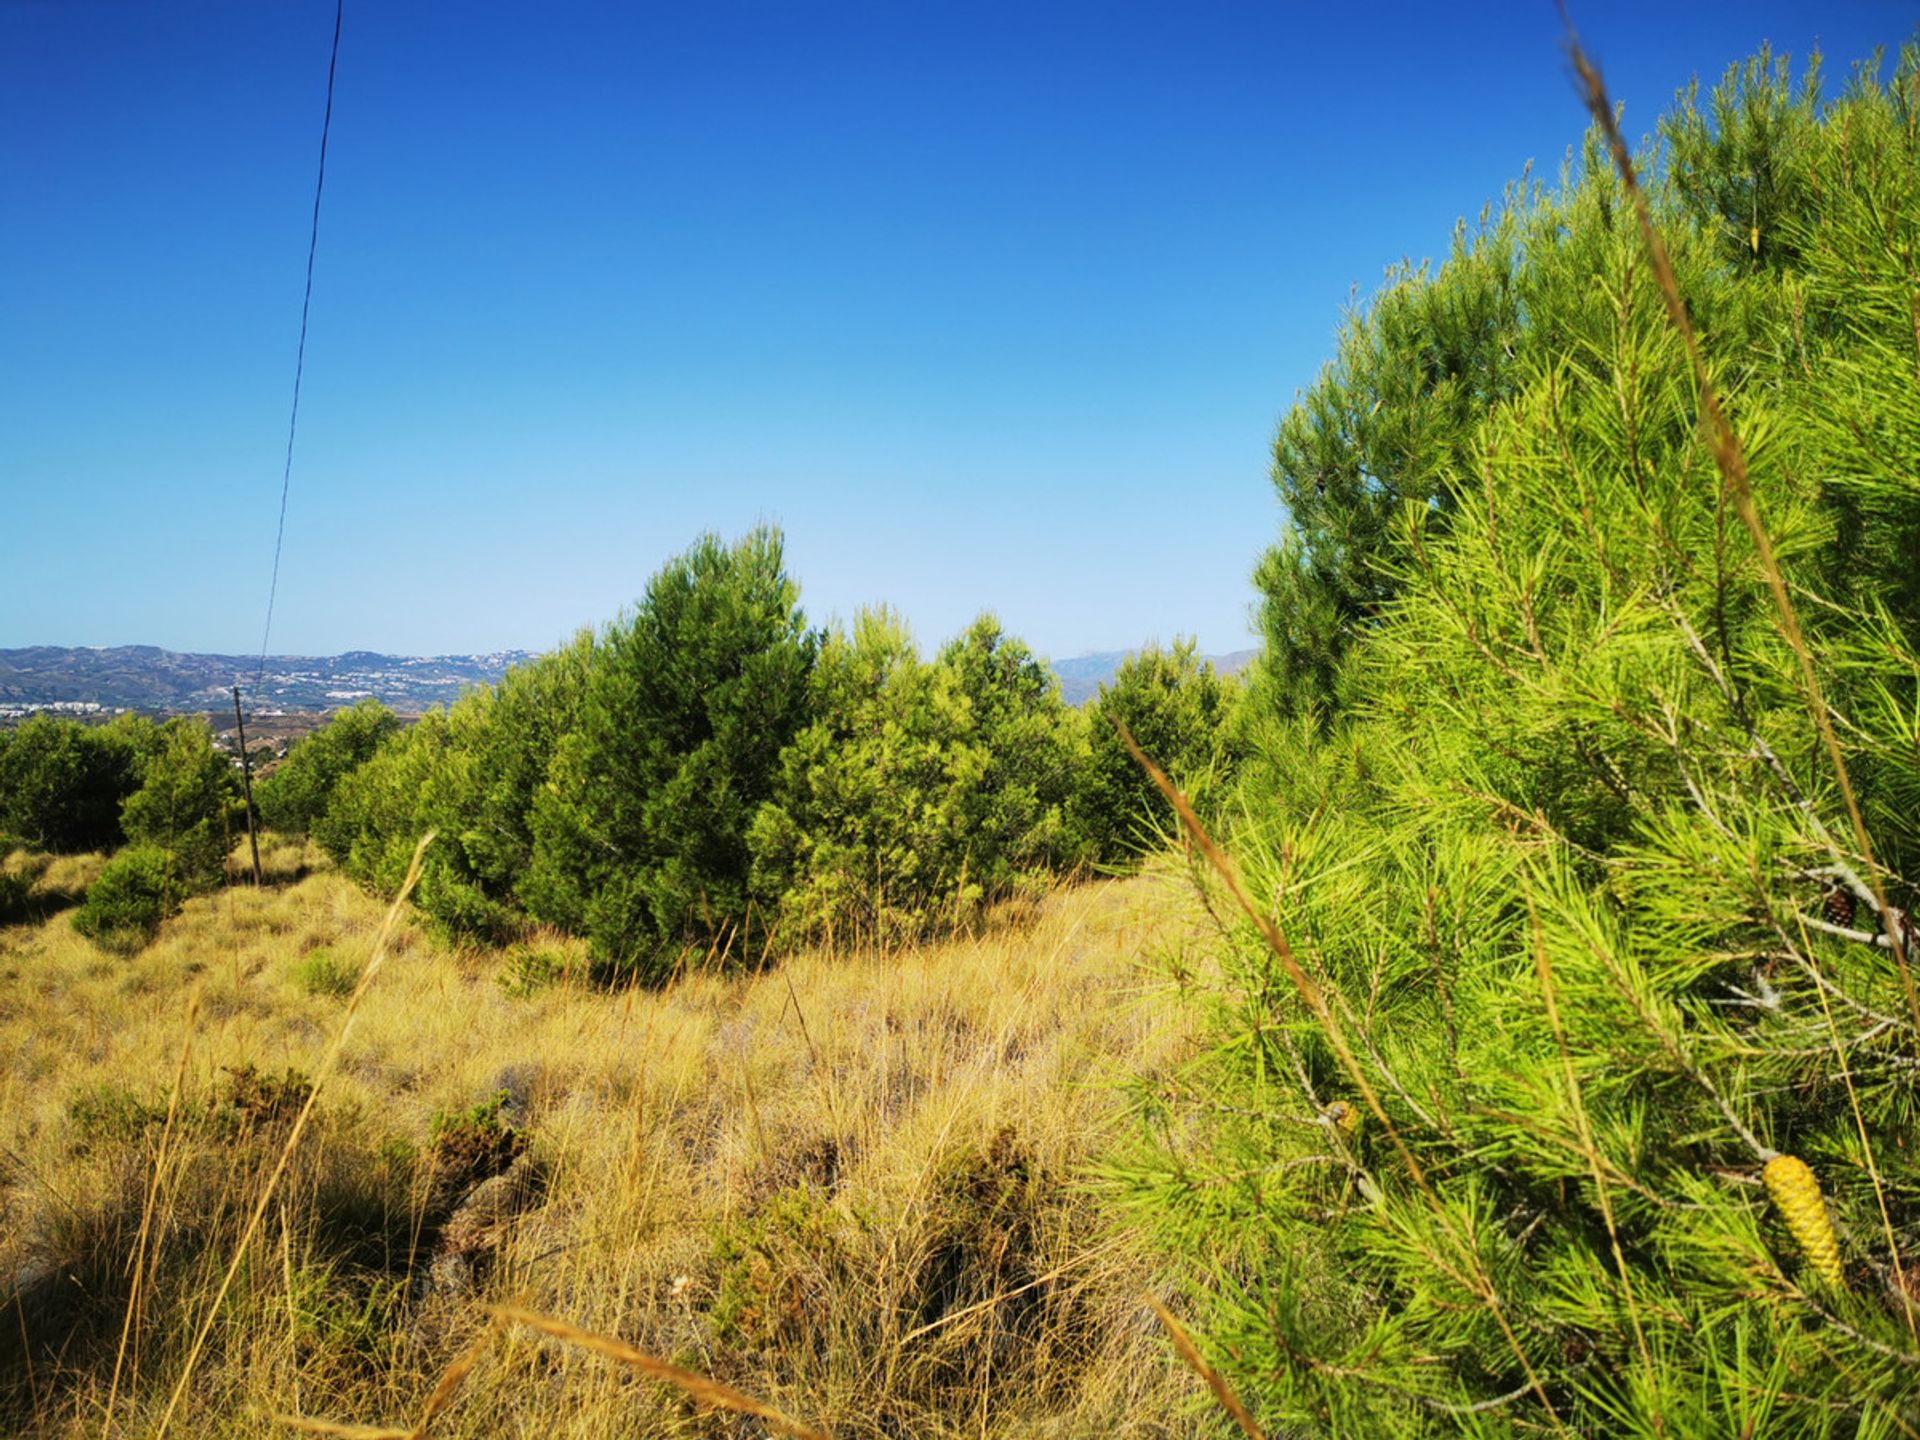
x=1197, y=1362
x=149, y=1208
x=697, y=1388
x=327, y=1063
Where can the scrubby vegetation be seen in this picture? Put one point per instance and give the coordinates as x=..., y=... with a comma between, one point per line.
x=1567, y=1082
x=852, y=1187
x=62, y=783
x=710, y=776
x=162, y=790
x=297, y=794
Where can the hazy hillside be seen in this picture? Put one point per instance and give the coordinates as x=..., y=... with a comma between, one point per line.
x=146, y=677
x=1082, y=675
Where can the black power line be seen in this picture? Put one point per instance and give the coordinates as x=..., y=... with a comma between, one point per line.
x=300, y=359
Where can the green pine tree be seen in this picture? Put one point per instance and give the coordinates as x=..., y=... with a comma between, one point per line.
x=1566, y=1082
x=641, y=830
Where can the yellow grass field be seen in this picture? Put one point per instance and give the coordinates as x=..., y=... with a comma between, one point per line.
x=854, y=1188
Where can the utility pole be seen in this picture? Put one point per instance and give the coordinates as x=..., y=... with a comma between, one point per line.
x=246, y=783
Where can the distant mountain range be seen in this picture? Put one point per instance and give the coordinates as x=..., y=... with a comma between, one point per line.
x=145, y=677
x=1083, y=675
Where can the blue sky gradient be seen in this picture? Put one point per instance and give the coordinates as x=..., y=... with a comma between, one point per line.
x=989, y=305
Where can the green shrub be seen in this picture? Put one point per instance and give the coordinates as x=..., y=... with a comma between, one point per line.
x=252, y=1102
x=18, y=877
x=1180, y=713
x=177, y=823
x=105, y=1115
x=335, y=1310
x=525, y=970
x=469, y=774
x=375, y=816
x=321, y=972
x=641, y=829
x=124, y=908
x=465, y=1147
x=62, y=782
x=297, y=791
x=919, y=791
x=700, y=778
x=185, y=804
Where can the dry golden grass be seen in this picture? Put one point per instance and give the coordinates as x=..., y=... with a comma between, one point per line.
x=849, y=1189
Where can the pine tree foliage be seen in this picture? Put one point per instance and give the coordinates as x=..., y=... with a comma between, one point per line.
x=62, y=782
x=709, y=774
x=184, y=803
x=178, y=825
x=470, y=774
x=297, y=791
x=919, y=791
x=1018, y=815
x=1386, y=424
x=641, y=829
x=1180, y=712
x=1583, y=1098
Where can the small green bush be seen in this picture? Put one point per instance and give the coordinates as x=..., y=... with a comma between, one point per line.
x=250, y=1101
x=107, y=1114
x=467, y=1146
x=527, y=971
x=1178, y=711
x=346, y=1313
x=324, y=973
x=126, y=905
x=921, y=791
x=185, y=804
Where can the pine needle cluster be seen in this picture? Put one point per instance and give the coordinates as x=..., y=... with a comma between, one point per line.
x=1568, y=1082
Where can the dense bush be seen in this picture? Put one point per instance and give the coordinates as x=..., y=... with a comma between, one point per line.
x=640, y=833
x=1390, y=423
x=1180, y=713
x=374, y=819
x=178, y=824
x=17, y=885
x=1017, y=817
x=124, y=907
x=500, y=743
x=918, y=790
x=185, y=803
x=295, y=794
x=469, y=774
x=710, y=773
x=62, y=782
x=1574, y=1089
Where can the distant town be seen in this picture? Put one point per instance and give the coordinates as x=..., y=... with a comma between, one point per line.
x=288, y=693
x=85, y=681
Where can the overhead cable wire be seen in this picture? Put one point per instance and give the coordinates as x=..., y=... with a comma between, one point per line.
x=300, y=357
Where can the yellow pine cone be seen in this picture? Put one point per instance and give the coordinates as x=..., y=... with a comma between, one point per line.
x=1345, y=1116
x=1797, y=1193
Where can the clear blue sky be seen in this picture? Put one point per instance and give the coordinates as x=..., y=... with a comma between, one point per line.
x=989, y=305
